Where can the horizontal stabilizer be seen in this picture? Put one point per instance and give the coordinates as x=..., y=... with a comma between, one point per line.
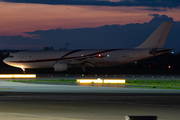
x=159, y=51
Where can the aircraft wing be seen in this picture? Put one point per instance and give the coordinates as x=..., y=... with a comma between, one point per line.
x=93, y=59
x=85, y=60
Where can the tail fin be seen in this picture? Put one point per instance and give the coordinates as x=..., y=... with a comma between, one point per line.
x=158, y=38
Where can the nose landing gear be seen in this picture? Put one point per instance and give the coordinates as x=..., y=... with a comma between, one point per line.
x=24, y=71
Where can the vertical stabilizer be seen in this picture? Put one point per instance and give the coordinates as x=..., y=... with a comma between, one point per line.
x=158, y=38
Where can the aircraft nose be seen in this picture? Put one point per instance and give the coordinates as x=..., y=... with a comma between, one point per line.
x=5, y=60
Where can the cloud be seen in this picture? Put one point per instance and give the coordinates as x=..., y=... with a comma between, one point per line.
x=160, y=18
x=108, y=36
x=155, y=15
x=104, y=37
x=149, y=3
x=154, y=9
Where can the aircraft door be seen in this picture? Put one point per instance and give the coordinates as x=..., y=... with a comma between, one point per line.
x=21, y=56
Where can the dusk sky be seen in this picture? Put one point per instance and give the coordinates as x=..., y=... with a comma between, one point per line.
x=85, y=24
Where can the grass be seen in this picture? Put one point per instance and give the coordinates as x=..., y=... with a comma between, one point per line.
x=157, y=87
x=153, y=84
x=47, y=81
x=6, y=88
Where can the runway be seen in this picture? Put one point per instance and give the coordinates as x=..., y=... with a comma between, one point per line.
x=30, y=101
x=6, y=86
x=88, y=106
x=82, y=110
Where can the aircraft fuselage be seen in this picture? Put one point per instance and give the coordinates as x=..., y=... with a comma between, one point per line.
x=46, y=59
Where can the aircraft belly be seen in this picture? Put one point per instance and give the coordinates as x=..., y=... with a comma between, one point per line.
x=39, y=65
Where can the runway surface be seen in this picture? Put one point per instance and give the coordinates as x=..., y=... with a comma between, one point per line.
x=30, y=101
x=57, y=106
x=82, y=110
x=6, y=86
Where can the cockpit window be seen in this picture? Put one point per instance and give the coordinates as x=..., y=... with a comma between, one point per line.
x=11, y=56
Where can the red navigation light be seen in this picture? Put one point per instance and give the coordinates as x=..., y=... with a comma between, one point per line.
x=99, y=55
x=169, y=66
x=149, y=65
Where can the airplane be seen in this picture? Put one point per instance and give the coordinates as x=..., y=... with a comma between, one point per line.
x=63, y=60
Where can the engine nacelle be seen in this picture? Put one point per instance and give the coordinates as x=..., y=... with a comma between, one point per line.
x=60, y=66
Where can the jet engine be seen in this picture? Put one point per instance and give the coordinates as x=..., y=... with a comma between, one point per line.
x=60, y=66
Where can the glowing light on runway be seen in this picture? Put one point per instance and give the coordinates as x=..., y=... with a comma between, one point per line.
x=114, y=81
x=101, y=80
x=89, y=80
x=18, y=76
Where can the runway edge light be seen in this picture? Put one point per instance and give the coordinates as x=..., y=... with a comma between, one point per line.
x=101, y=80
x=17, y=75
x=114, y=81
